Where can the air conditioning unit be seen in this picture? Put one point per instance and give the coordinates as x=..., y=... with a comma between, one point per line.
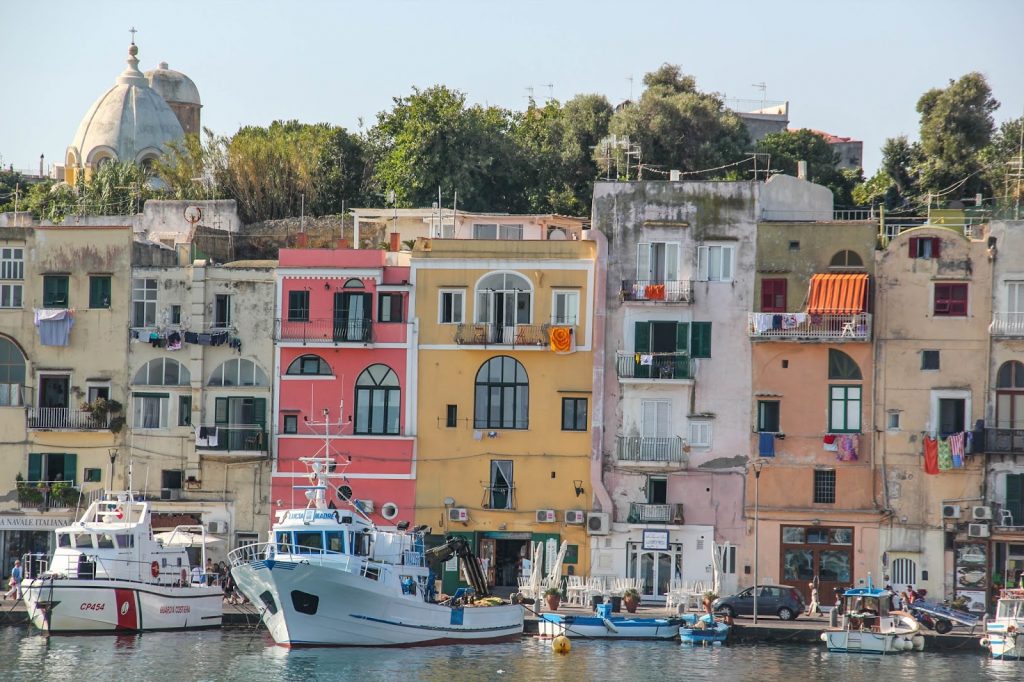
x=951, y=511
x=365, y=506
x=170, y=493
x=977, y=530
x=598, y=523
x=458, y=514
x=216, y=527
x=981, y=513
x=545, y=516
x=575, y=516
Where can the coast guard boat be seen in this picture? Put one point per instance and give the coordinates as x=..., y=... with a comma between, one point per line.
x=1004, y=635
x=109, y=574
x=866, y=625
x=330, y=577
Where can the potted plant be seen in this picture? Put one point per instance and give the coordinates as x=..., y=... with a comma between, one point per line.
x=709, y=598
x=553, y=598
x=631, y=599
x=28, y=494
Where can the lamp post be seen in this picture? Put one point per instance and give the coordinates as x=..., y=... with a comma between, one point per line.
x=112, y=453
x=756, y=465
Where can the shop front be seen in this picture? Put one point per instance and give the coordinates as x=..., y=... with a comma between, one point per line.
x=822, y=552
x=22, y=534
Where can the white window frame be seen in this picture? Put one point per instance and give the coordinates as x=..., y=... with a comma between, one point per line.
x=512, y=232
x=91, y=388
x=700, y=433
x=645, y=263
x=138, y=403
x=12, y=295
x=722, y=255
x=1015, y=297
x=892, y=420
x=936, y=396
x=146, y=296
x=569, y=296
x=657, y=405
x=461, y=308
x=480, y=227
x=12, y=269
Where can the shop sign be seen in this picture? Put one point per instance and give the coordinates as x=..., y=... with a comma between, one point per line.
x=32, y=522
x=655, y=539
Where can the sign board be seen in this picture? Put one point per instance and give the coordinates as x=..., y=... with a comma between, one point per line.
x=655, y=539
x=33, y=521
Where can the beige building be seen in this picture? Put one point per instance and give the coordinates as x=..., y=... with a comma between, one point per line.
x=931, y=323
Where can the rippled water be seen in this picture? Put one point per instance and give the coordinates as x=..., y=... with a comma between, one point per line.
x=234, y=654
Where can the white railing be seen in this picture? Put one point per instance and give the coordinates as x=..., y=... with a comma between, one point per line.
x=856, y=327
x=1007, y=324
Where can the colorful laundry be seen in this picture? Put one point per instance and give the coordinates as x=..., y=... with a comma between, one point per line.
x=846, y=447
x=829, y=442
x=956, y=447
x=945, y=455
x=54, y=325
x=766, y=444
x=561, y=340
x=931, y=456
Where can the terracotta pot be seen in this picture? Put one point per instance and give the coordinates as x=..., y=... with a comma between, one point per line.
x=553, y=600
x=631, y=604
x=707, y=606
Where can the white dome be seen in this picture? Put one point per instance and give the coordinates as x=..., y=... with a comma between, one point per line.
x=129, y=122
x=173, y=86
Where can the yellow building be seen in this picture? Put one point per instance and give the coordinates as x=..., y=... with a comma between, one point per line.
x=503, y=420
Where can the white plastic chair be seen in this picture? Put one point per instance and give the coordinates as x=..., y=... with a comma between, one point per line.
x=1005, y=517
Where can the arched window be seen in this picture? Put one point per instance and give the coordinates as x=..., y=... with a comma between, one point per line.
x=842, y=367
x=502, y=395
x=12, y=373
x=1010, y=395
x=309, y=365
x=504, y=298
x=846, y=259
x=378, y=399
x=354, y=283
x=162, y=372
x=238, y=372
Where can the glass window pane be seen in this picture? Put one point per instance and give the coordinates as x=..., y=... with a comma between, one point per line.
x=798, y=565
x=841, y=536
x=793, y=535
x=231, y=373
x=835, y=566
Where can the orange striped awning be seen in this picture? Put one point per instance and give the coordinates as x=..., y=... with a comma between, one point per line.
x=838, y=294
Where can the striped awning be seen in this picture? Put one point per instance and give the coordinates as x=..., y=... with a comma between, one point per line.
x=838, y=294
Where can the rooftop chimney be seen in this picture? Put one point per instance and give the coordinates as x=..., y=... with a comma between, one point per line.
x=396, y=241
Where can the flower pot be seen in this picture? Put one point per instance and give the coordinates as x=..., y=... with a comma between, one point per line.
x=553, y=600
x=707, y=606
x=630, y=603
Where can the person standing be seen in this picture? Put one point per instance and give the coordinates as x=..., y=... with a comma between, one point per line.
x=15, y=582
x=813, y=608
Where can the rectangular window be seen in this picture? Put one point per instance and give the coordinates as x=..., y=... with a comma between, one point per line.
x=565, y=307
x=485, y=231
x=844, y=409
x=952, y=415
x=1015, y=300
x=52, y=466
x=929, y=359
x=97, y=391
x=700, y=339
x=700, y=434
x=298, y=306
x=389, y=307
x=55, y=291
x=951, y=300
x=574, y=414
x=12, y=267
x=657, y=262
x=171, y=478
x=143, y=302
x=513, y=232
x=452, y=307
x=222, y=310
x=150, y=410
x=184, y=410
x=773, y=295
x=924, y=247
x=714, y=263
x=451, y=418
x=657, y=490
x=768, y=416
x=10, y=295
x=99, y=291
x=892, y=421
x=502, y=489
x=291, y=423
x=825, y=486
x=90, y=475
x=175, y=314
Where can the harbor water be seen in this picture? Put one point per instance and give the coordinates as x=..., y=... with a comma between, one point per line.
x=238, y=654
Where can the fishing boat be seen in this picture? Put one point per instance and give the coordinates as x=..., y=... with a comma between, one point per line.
x=604, y=625
x=109, y=574
x=703, y=630
x=1004, y=635
x=866, y=625
x=330, y=577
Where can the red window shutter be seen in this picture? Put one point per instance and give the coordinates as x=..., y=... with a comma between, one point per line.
x=773, y=295
x=935, y=247
x=913, y=247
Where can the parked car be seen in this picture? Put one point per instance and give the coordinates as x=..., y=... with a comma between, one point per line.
x=772, y=600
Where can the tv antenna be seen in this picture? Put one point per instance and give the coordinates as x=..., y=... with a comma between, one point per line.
x=763, y=87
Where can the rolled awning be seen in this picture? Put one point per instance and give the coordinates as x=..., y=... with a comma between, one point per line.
x=838, y=294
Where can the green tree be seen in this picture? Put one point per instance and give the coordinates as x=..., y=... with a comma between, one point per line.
x=193, y=168
x=788, y=147
x=1000, y=160
x=341, y=172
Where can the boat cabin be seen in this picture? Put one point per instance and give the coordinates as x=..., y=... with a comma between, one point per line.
x=1011, y=606
x=867, y=608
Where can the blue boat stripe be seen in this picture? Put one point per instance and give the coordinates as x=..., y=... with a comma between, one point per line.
x=431, y=627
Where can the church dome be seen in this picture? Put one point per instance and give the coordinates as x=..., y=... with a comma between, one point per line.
x=174, y=86
x=129, y=122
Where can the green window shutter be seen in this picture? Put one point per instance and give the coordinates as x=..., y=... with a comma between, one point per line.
x=99, y=291
x=1014, y=491
x=35, y=467
x=260, y=411
x=184, y=410
x=55, y=291
x=682, y=337
x=642, y=337
x=70, y=472
x=220, y=412
x=700, y=346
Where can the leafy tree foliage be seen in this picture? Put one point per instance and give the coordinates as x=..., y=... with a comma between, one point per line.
x=115, y=188
x=791, y=146
x=997, y=158
x=193, y=168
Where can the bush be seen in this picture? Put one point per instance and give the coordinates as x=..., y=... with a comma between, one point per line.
x=631, y=593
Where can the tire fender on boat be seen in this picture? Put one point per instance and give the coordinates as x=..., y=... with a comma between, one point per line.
x=610, y=626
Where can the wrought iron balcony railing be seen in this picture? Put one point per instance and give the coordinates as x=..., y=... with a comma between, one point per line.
x=246, y=438
x=640, y=512
x=650, y=449
x=657, y=291
x=489, y=334
x=805, y=326
x=65, y=419
x=324, y=330
x=654, y=366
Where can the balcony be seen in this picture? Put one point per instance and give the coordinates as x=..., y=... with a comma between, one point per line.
x=244, y=438
x=807, y=327
x=324, y=330
x=48, y=495
x=489, y=334
x=65, y=419
x=640, y=512
x=1003, y=441
x=648, y=449
x=499, y=497
x=1007, y=324
x=654, y=366
x=657, y=291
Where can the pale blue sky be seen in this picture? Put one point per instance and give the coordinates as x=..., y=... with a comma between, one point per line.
x=853, y=68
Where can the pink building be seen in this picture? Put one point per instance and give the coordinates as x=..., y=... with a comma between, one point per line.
x=341, y=386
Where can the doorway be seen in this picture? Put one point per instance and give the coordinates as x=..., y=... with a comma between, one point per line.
x=657, y=568
x=503, y=555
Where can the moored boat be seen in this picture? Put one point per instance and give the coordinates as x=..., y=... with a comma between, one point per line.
x=606, y=627
x=703, y=630
x=330, y=577
x=866, y=625
x=1004, y=634
x=109, y=574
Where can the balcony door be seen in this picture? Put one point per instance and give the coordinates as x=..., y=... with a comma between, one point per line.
x=657, y=262
x=53, y=391
x=654, y=429
x=241, y=422
x=351, y=315
x=1010, y=396
x=656, y=567
x=660, y=348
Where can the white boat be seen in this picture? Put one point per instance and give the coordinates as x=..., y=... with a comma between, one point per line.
x=1004, y=635
x=109, y=574
x=329, y=577
x=607, y=627
x=866, y=625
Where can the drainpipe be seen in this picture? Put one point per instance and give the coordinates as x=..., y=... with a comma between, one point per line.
x=598, y=317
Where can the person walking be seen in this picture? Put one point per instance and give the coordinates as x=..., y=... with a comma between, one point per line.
x=813, y=608
x=15, y=582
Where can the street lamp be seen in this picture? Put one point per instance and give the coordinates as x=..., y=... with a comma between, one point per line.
x=112, y=452
x=756, y=465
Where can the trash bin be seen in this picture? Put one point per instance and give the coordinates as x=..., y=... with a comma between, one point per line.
x=616, y=604
x=595, y=601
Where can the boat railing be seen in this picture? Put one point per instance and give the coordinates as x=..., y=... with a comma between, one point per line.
x=103, y=568
x=263, y=551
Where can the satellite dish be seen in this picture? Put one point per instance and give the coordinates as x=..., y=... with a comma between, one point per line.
x=193, y=214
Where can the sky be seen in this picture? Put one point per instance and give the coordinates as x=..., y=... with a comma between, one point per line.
x=853, y=68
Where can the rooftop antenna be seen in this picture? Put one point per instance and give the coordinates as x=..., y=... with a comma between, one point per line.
x=763, y=87
x=551, y=90
x=529, y=92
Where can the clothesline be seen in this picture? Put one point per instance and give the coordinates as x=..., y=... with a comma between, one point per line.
x=943, y=454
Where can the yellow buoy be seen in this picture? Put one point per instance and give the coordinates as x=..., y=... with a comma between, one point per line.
x=561, y=644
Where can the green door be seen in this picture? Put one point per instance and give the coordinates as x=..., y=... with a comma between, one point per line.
x=641, y=345
x=1014, y=495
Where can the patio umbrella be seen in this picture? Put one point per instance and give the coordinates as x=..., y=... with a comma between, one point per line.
x=183, y=538
x=555, y=575
x=536, y=569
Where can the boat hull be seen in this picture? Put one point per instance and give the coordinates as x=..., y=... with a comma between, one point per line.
x=866, y=642
x=304, y=604
x=1005, y=646
x=595, y=627
x=63, y=605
